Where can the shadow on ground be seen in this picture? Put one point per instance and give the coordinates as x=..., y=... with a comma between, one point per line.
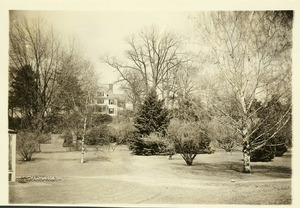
x=215, y=171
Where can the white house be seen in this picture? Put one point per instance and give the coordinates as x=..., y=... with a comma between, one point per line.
x=107, y=102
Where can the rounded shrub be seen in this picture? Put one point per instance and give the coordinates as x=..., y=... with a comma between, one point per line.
x=99, y=135
x=150, y=145
x=190, y=139
x=122, y=132
x=27, y=143
x=102, y=119
x=280, y=150
x=68, y=139
x=264, y=154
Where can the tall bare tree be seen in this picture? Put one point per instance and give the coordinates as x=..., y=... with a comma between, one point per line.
x=186, y=81
x=252, y=51
x=152, y=54
x=133, y=88
x=34, y=43
x=77, y=88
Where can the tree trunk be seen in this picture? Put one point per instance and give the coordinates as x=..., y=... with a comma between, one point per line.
x=188, y=158
x=167, y=93
x=74, y=141
x=246, y=156
x=189, y=162
x=246, y=146
x=82, y=141
x=82, y=150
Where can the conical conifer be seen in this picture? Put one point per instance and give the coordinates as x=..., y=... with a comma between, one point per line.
x=152, y=116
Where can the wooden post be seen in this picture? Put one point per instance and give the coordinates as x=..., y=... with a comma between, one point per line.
x=12, y=135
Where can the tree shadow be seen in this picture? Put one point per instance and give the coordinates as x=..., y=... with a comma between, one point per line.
x=272, y=171
x=234, y=170
x=219, y=167
x=99, y=158
x=33, y=160
x=54, y=152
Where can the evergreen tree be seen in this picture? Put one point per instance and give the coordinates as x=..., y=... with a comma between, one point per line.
x=151, y=116
x=280, y=138
x=23, y=95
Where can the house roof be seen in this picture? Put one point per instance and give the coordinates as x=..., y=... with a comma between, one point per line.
x=110, y=93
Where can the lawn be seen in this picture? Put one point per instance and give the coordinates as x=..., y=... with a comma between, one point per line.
x=118, y=177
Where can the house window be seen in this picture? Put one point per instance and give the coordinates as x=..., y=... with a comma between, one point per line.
x=111, y=102
x=98, y=109
x=100, y=101
x=111, y=111
x=101, y=93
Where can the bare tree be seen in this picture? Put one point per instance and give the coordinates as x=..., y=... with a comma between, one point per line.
x=133, y=88
x=34, y=43
x=186, y=81
x=252, y=51
x=77, y=87
x=152, y=54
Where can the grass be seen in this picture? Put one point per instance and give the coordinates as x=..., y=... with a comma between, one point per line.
x=119, y=177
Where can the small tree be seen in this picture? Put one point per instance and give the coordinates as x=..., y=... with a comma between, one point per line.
x=151, y=116
x=227, y=144
x=225, y=136
x=190, y=139
x=77, y=86
x=27, y=143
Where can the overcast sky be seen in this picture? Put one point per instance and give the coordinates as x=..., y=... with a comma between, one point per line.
x=103, y=32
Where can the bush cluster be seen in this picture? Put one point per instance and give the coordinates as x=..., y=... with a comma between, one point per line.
x=190, y=139
x=277, y=138
x=102, y=119
x=267, y=153
x=27, y=144
x=275, y=147
x=151, y=145
x=122, y=132
x=68, y=139
x=99, y=135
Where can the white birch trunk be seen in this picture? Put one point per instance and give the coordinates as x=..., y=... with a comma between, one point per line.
x=246, y=148
x=246, y=157
x=82, y=141
x=246, y=139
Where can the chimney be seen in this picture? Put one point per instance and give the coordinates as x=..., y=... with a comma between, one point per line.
x=111, y=87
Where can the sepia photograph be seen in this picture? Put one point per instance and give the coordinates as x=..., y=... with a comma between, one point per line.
x=149, y=107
